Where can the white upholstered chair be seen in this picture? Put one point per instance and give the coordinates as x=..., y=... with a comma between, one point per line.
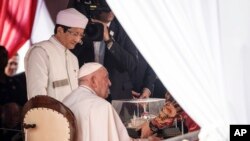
x=46, y=119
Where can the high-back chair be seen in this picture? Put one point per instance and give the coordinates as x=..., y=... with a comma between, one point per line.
x=47, y=119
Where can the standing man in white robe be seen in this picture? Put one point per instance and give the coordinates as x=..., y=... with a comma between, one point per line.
x=96, y=119
x=51, y=69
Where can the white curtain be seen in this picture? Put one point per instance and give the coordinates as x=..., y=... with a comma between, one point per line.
x=43, y=25
x=42, y=30
x=200, y=51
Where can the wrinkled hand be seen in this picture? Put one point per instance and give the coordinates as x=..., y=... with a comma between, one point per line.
x=135, y=94
x=145, y=94
x=147, y=133
x=145, y=130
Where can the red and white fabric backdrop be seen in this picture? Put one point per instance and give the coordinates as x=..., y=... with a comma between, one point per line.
x=16, y=21
x=24, y=22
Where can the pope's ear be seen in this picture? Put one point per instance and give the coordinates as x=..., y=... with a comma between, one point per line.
x=94, y=81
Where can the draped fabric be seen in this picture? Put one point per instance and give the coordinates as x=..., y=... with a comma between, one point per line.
x=200, y=51
x=16, y=21
x=43, y=26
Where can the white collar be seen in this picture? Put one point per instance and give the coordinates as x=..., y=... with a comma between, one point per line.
x=57, y=43
x=88, y=88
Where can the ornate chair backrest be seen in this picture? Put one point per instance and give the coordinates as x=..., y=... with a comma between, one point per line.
x=47, y=119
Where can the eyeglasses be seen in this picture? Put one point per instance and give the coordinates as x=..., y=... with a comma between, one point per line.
x=75, y=34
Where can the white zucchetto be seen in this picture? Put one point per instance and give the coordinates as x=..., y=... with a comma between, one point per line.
x=88, y=68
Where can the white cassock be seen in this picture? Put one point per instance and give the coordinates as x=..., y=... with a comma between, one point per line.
x=96, y=119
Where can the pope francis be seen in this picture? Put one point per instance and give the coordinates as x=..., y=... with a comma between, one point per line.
x=96, y=118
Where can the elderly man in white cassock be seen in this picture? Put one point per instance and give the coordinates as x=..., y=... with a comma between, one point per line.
x=96, y=118
x=51, y=69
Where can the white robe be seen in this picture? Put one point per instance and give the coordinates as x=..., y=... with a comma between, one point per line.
x=96, y=119
x=51, y=69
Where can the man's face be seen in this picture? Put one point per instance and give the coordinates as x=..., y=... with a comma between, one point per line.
x=103, y=83
x=12, y=66
x=71, y=37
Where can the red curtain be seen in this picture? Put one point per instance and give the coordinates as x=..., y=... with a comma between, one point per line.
x=16, y=21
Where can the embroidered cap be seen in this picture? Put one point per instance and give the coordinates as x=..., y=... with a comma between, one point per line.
x=88, y=68
x=72, y=18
